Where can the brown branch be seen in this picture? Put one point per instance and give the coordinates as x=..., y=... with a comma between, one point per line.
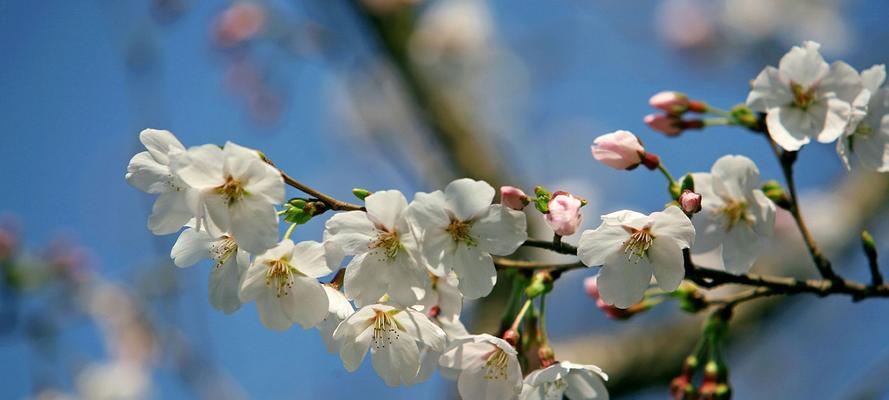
x=505, y=263
x=560, y=247
x=329, y=201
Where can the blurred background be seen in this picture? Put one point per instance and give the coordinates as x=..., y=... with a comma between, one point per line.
x=403, y=94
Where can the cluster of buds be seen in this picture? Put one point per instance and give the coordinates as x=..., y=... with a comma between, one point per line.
x=682, y=387
x=561, y=210
x=674, y=105
x=623, y=150
x=591, y=287
x=715, y=384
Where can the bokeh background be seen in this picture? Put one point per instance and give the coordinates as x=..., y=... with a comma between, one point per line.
x=388, y=94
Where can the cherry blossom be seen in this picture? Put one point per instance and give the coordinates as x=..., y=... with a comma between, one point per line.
x=395, y=338
x=564, y=213
x=149, y=171
x=566, y=380
x=283, y=281
x=736, y=216
x=386, y=254
x=460, y=229
x=513, y=197
x=618, y=150
x=485, y=367
x=631, y=247
x=805, y=97
x=867, y=136
x=230, y=263
x=338, y=310
x=239, y=191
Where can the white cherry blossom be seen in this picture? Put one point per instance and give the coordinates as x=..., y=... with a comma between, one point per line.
x=338, y=310
x=460, y=230
x=283, y=281
x=149, y=171
x=630, y=246
x=443, y=304
x=395, y=338
x=485, y=367
x=386, y=257
x=867, y=136
x=238, y=189
x=566, y=380
x=736, y=216
x=230, y=263
x=805, y=97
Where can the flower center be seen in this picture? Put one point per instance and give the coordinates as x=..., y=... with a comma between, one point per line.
x=232, y=190
x=734, y=212
x=222, y=249
x=555, y=389
x=386, y=329
x=388, y=243
x=280, y=273
x=637, y=245
x=495, y=365
x=459, y=231
x=802, y=97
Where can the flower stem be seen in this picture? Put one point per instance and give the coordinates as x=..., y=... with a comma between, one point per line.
x=720, y=112
x=289, y=231
x=541, y=322
x=666, y=173
x=718, y=121
x=521, y=315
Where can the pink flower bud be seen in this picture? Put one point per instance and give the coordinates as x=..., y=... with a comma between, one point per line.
x=564, y=213
x=664, y=123
x=671, y=102
x=591, y=287
x=513, y=197
x=690, y=201
x=619, y=150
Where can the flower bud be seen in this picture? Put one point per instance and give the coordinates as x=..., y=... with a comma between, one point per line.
x=681, y=388
x=618, y=150
x=513, y=197
x=773, y=190
x=669, y=125
x=511, y=336
x=690, y=202
x=670, y=102
x=361, y=193
x=591, y=287
x=564, y=213
x=547, y=355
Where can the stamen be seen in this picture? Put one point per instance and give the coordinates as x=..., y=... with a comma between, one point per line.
x=232, y=190
x=459, y=231
x=802, y=98
x=637, y=245
x=386, y=330
x=280, y=273
x=222, y=250
x=734, y=212
x=389, y=243
x=495, y=364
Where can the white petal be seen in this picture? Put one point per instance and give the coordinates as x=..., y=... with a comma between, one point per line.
x=789, y=127
x=428, y=211
x=224, y=286
x=309, y=259
x=804, y=65
x=667, y=262
x=740, y=249
x=673, y=223
x=733, y=177
x=873, y=77
x=396, y=361
x=239, y=159
x=420, y=327
x=305, y=303
x=261, y=179
x=627, y=218
x=147, y=175
x=385, y=208
x=763, y=211
x=436, y=246
x=354, y=348
x=160, y=144
x=363, y=281
x=467, y=198
x=169, y=214
x=843, y=81
x=595, y=246
x=254, y=223
x=622, y=282
x=500, y=230
x=405, y=279
x=586, y=385
x=352, y=231
x=201, y=166
x=769, y=90
x=831, y=119
x=475, y=271
x=191, y=246
x=254, y=283
x=271, y=312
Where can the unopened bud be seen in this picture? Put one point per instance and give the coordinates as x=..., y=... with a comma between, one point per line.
x=511, y=336
x=689, y=299
x=513, y=197
x=669, y=125
x=361, y=194
x=564, y=215
x=618, y=150
x=690, y=202
x=681, y=388
x=591, y=287
x=547, y=355
x=773, y=190
x=674, y=103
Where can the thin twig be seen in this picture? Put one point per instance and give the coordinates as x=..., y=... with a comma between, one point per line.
x=561, y=247
x=329, y=201
x=505, y=263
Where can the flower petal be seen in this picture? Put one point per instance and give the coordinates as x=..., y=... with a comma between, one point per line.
x=352, y=231
x=191, y=246
x=804, y=65
x=363, y=281
x=310, y=260
x=254, y=223
x=789, y=127
x=385, y=208
x=831, y=120
x=596, y=246
x=500, y=230
x=169, y=214
x=201, y=167
x=224, y=286
x=420, y=327
x=769, y=90
x=305, y=302
x=667, y=262
x=740, y=249
x=160, y=144
x=673, y=223
x=475, y=271
x=733, y=177
x=622, y=282
x=467, y=198
x=397, y=361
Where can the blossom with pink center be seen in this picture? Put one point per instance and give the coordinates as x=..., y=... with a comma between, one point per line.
x=564, y=213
